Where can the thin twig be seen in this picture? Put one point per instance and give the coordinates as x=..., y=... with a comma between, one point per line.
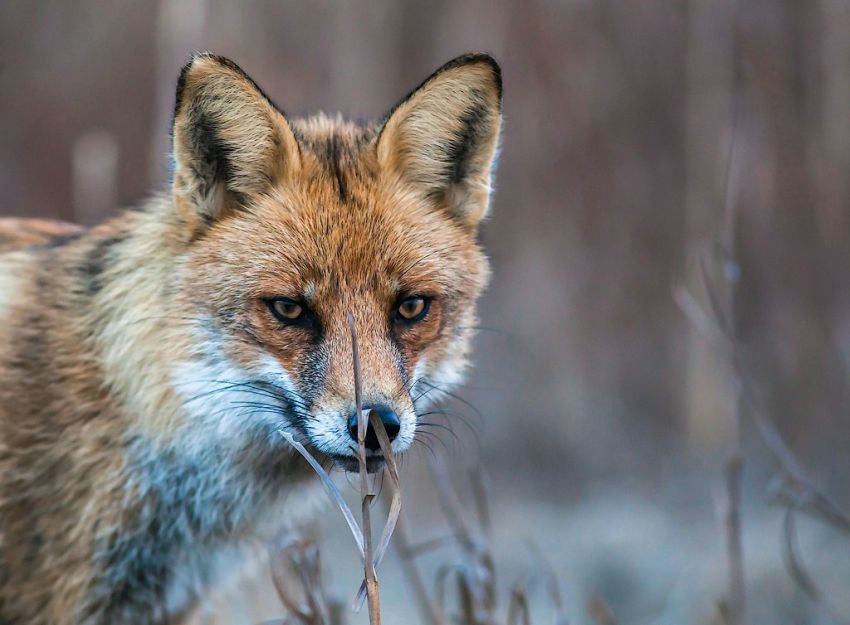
x=304, y=558
x=331, y=488
x=726, y=318
x=372, y=593
x=797, y=570
x=428, y=607
x=395, y=501
x=734, y=542
x=431, y=544
x=310, y=570
x=600, y=612
x=479, y=492
x=518, y=612
x=796, y=488
x=278, y=579
x=451, y=506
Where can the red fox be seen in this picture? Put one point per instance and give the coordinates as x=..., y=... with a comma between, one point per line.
x=149, y=365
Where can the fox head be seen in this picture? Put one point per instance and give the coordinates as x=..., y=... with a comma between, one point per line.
x=293, y=225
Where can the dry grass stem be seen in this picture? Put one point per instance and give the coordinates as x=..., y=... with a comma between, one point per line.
x=518, y=612
x=428, y=608
x=792, y=488
x=332, y=489
x=372, y=593
x=720, y=325
x=372, y=556
x=472, y=579
x=395, y=503
x=479, y=494
x=734, y=540
x=316, y=612
x=304, y=559
x=451, y=505
x=600, y=612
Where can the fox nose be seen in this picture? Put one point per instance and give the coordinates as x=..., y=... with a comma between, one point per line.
x=388, y=418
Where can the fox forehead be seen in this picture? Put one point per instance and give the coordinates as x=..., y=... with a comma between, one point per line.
x=340, y=226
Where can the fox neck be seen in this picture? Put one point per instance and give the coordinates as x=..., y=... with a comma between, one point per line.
x=165, y=367
x=170, y=388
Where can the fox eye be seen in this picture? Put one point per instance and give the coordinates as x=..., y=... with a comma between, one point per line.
x=286, y=310
x=412, y=309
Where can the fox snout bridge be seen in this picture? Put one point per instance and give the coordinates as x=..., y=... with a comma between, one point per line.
x=388, y=418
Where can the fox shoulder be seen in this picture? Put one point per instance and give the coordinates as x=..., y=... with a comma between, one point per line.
x=19, y=233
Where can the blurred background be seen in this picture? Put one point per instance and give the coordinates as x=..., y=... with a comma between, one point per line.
x=670, y=240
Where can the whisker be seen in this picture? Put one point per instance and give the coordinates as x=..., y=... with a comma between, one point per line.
x=462, y=418
x=260, y=388
x=489, y=329
x=457, y=397
x=199, y=320
x=433, y=436
x=422, y=443
x=442, y=426
x=227, y=386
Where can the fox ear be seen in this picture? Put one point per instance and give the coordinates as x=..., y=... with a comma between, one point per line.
x=442, y=139
x=230, y=142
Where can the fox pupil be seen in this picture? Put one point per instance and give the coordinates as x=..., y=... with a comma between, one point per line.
x=286, y=310
x=413, y=308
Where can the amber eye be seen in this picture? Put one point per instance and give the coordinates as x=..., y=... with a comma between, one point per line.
x=286, y=310
x=412, y=309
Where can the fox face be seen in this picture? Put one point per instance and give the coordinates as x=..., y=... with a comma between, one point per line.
x=293, y=225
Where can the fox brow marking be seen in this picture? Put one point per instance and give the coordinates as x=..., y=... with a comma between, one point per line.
x=448, y=249
x=334, y=155
x=335, y=148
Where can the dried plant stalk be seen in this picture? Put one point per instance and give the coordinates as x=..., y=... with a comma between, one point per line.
x=451, y=505
x=371, y=556
x=600, y=612
x=429, y=609
x=304, y=558
x=518, y=611
x=372, y=593
x=333, y=491
x=395, y=502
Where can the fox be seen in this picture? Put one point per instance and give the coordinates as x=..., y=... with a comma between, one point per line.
x=151, y=365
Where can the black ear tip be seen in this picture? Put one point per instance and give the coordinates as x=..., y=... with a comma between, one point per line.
x=200, y=57
x=480, y=57
x=222, y=61
x=477, y=58
x=181, y=83
x=194, y=59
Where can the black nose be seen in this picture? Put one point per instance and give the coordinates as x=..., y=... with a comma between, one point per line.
x=388, y=418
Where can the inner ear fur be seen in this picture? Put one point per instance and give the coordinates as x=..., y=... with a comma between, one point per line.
x=443, y=138
x=230, y=142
